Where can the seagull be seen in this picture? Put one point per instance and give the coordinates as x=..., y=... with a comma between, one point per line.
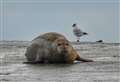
x=78, y=32
x=100, y=41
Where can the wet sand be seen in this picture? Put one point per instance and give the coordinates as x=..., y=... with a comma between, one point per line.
x=105, y=67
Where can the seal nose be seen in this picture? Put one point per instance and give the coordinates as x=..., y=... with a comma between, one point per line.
x=64, y=50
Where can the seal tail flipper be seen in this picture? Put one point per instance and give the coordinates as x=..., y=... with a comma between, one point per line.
x=83, y=59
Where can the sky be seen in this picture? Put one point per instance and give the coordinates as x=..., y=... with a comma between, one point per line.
x=27, y=19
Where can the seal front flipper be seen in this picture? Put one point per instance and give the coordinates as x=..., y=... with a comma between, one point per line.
x=31, y=62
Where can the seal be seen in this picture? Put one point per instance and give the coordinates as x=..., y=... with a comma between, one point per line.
x=52, y=48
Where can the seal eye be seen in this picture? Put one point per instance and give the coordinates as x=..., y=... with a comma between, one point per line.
x=59, y=44
x=67, y=44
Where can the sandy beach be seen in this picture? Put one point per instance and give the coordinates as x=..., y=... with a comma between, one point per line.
x=105, y=67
